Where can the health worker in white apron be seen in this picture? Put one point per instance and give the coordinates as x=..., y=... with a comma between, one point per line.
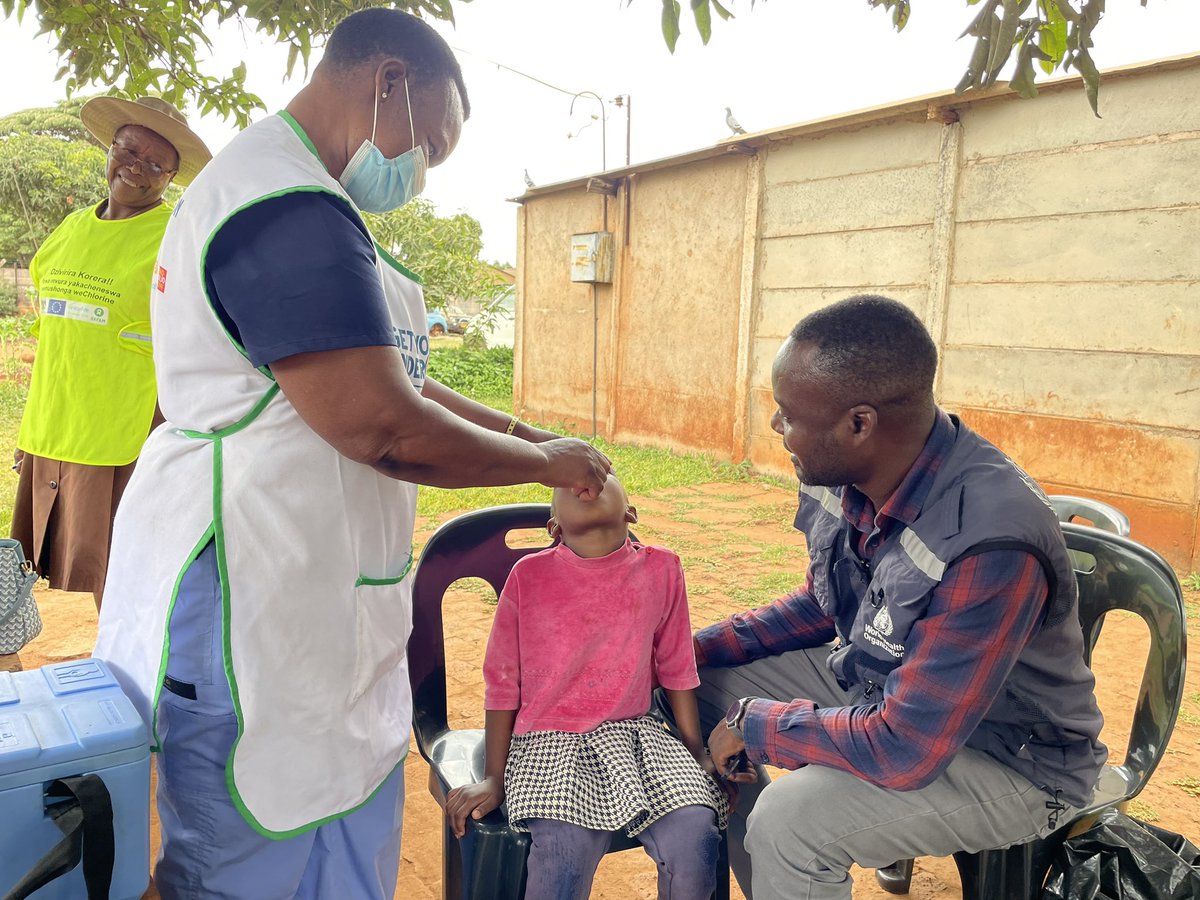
x=257, y=606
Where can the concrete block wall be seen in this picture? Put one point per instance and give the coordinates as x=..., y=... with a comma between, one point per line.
x=1072, y=329
x=839, y=217
x=1053, y=256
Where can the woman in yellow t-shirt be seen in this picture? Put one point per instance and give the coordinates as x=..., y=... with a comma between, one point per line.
x=92, y=398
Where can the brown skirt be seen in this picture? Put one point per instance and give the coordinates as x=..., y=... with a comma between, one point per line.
x=63, y=517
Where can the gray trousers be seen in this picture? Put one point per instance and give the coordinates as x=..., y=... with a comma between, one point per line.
x=796, y=838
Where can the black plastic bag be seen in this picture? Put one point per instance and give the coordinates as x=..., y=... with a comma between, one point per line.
x=1120, y=858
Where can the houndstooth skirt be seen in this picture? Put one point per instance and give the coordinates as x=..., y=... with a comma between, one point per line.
x=623, y=775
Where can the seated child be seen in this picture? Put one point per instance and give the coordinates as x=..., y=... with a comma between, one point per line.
x=583, y=632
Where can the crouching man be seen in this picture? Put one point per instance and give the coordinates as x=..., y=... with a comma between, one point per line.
x=926, y=686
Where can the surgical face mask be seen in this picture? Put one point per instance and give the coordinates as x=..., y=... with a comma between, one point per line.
x=377, y=184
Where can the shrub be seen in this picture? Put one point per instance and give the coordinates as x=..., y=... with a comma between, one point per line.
x=483, y=375
x=8, y=298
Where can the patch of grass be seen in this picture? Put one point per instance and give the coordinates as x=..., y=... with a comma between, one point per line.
x=1191, y=581
x=779, y=554
x=1190, y=785
x=703, y=564
x=690, y=520
x=1139, y=809
x=739, y=472
x=766, y=514
x=683, y=546
x=478, y=587
x=1189, y=718
x=765, y=588
x=788, y=482
x=725, y=498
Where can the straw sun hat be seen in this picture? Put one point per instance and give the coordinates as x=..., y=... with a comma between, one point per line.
x=103, y=116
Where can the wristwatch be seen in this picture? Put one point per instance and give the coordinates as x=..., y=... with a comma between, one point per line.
x=737, y=712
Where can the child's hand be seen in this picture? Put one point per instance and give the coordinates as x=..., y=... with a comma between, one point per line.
x=728, y=788
x=474, y=800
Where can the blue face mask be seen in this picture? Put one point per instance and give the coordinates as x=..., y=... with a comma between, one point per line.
x=377, y=184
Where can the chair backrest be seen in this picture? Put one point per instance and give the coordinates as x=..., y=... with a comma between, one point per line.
x=1114, y=572
x=1100, y=515
x=472, y=545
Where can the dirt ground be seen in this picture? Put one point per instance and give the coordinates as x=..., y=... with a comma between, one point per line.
x=738, y=550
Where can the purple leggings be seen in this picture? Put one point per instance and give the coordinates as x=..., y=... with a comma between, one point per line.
x=683, y=843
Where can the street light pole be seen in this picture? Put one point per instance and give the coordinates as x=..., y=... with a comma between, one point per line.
x=627, y=102
x=603, y=132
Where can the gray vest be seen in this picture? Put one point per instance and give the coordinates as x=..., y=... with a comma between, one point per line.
x=1044, y=723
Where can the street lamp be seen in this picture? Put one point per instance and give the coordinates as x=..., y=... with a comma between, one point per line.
x=603, y=118
x=624, y=100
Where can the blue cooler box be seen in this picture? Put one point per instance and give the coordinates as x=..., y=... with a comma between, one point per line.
x=62, y=720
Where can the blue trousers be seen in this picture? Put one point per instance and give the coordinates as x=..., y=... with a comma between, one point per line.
x=208, y=849
x=683, y=843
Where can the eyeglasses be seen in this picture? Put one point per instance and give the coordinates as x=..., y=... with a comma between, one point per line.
x=128, y=159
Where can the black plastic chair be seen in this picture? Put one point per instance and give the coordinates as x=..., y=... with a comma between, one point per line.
x=1113, y=572
x=897, y=878
x=1091, y=512
x=488, y=863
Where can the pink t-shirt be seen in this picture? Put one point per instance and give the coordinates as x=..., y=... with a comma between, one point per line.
x=577, y=642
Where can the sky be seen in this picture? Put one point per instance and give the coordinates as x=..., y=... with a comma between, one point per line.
x=782, y=62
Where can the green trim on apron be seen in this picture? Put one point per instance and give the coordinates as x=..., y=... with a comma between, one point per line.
x=241, y=423
x=302, y=134
x=365, y=581
x=397, y=265
x=156, y=744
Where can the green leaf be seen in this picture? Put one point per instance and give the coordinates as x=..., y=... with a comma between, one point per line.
x=1036, y=52
x=670, y=23
x=726, y=15
x=1023, y=77
x=703, y=17
x=1066, y=10
x=1052, y=37
x=973, y=77
x=1091, y=78
x=1003, y=35
x=981, y=25
x=73, y=15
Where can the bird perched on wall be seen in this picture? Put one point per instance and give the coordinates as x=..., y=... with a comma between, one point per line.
x=528, y=180
x=734, y=125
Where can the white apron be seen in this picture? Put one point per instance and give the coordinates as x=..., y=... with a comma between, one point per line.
x=313, y=549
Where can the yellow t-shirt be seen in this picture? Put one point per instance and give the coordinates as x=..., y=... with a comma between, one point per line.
x=92, y=395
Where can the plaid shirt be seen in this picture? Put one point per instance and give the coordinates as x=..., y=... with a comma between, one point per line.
x=957, y=657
